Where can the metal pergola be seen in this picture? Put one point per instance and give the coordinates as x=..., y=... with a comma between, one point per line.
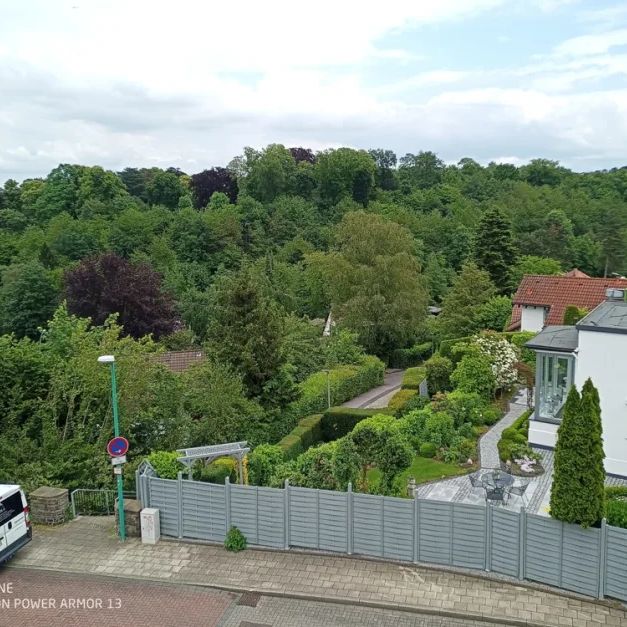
x=207, y=454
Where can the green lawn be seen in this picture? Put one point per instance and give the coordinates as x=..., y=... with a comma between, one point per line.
x=423, y=469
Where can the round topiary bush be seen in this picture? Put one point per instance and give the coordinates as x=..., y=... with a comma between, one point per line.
x=427, y=449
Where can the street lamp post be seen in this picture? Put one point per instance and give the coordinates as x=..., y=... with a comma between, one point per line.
x=110, y=359
x=328, y=388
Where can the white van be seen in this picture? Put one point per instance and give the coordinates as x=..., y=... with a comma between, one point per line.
x=15, y=529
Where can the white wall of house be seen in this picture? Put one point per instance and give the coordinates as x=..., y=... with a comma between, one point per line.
x=532, y=318
x=542, y=434
x=603, y=358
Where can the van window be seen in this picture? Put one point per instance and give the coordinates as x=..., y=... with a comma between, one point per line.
x=10, y=508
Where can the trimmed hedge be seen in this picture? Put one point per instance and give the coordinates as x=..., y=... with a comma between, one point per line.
x=399, y=401
x=340, y=421
x=408, y=357
x=346, y=382
x=413, y=377
x=307, y=433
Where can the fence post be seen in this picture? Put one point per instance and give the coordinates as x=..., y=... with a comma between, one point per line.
x=179, y=497
x=227, y=503
x=522, y=535
x=416, y=527
x=107, y=502
x=349, y=518
x=73, y=503
x=488, y=537
x=286, y=514
x=602, y=558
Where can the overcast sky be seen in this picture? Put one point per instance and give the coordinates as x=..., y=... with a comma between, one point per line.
x=190, y=83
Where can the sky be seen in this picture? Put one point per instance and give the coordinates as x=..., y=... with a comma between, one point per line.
x=189, y=83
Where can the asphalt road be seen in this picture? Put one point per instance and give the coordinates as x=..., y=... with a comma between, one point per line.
x=37, y=597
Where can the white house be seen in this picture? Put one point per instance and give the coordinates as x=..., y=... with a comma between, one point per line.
x=595, y=348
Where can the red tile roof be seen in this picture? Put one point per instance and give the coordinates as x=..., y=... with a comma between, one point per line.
x=576, y=272
x=557, y=293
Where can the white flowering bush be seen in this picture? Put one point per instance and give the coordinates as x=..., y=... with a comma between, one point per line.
x=503, y=358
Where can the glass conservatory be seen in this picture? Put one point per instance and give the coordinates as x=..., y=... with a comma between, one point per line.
x=554, y=378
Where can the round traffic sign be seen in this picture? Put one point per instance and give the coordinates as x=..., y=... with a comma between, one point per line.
x=118, y=446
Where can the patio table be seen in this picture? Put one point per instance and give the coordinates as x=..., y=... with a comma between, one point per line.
x=497, y=479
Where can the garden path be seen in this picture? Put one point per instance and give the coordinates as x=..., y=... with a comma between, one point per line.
x=379, y=396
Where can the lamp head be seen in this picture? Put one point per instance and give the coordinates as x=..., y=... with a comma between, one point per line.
x=106, y=359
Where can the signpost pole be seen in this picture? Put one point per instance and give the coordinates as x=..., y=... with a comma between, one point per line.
x=116, y=433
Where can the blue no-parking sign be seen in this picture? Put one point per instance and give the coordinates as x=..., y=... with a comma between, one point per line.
x=118, y=446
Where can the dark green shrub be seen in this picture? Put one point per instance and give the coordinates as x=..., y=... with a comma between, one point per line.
x=474, y=374
x=218, y=470
x=165, y=463
x=415, y=402
x=340, y=421
x=399, y=401
x=491, y=415
x=412, y=425
x=439, y=429
x=616, y=513
x=235, y=540
x=616, y=506
x=307, y=433
x=514, y=437
x=463, y=406
x=413, y=377
x=262, y=463
x=408, y=357
x=427, y=449
x=438, y=372
x=578, y=492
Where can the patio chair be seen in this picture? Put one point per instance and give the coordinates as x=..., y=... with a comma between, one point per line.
x=475, y=481
x=495, y=495
x=519, y=490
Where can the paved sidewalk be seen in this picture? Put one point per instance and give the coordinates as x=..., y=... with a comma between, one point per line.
x=379, y=396
x=88, y=545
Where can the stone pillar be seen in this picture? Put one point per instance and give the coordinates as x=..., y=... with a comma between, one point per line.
x=48, y=505
x=132, y=520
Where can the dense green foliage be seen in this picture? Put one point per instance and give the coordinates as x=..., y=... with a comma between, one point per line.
x=616, y=506
x=247, y=261
x=577, y=495
x=307, y=432
x=413, y=377
x=514, y=440
x=339, y=421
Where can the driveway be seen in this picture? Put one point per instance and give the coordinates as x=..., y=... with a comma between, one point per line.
x=379, y=396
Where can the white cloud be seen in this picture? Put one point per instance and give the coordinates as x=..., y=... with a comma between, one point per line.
x=598, y=43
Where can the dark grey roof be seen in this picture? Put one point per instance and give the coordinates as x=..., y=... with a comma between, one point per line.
x=557, y=338
x=609, y=317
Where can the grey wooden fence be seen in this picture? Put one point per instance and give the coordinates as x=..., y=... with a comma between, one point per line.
x=518, y=544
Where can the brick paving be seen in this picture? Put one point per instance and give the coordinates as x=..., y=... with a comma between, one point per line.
x=280, y=612
x=86, y=601
x=88, y=545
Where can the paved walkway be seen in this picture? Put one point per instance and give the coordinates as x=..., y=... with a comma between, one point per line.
x=379, y=396
x=88, y=545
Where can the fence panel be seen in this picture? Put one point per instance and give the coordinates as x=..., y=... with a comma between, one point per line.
x=435, y=529
x=303, y=516
x=543, y=550
x=368, y=524
x=581, y=557
x=616, y=563
x=164, y=496
x=271, y=517
x=398, y=528
x=204, y=511
x=469, y=536
x=333, y=520
x=505, y=542
x=244, y=511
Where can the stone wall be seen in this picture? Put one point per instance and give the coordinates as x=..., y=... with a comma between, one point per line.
x=132, y=520
x=48, y=505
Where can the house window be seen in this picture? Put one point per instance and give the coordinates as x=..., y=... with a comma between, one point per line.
x=556, y=378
